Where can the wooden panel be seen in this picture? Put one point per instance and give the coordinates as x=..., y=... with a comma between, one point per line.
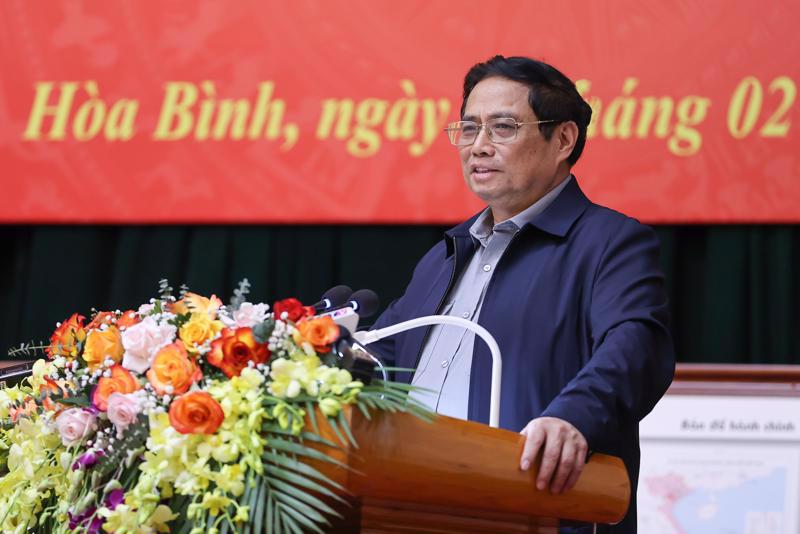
x=470, y=469
x=761, y=380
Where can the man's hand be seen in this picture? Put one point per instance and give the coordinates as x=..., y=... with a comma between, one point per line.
x=564, y=454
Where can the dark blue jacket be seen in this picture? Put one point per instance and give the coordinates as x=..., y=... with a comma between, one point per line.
x=577, y=305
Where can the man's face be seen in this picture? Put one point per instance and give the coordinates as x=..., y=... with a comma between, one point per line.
x=509, y=177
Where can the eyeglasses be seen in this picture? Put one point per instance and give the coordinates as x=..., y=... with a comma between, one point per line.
x=500, y=130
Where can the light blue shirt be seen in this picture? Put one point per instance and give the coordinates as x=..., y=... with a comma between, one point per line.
x=446, y=360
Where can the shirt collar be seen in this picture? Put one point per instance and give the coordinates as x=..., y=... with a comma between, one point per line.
x=563, y=211
x=482, y=229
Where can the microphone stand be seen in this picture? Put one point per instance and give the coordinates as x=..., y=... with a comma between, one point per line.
x=371, y=336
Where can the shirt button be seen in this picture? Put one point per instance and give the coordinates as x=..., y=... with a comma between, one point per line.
x=445, y=363
x=465, y=315
x=487, y=268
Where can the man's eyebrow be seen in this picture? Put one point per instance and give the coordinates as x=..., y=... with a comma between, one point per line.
x=495, y=115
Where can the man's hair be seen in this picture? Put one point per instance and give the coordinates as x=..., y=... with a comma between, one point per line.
x=551, y=95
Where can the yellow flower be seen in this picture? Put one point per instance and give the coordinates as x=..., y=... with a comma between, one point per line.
x=123, y=519
x=231, y=479
x=215, y=502
x=160, y=517
x=41, y=368
x=242, y=514
x=330, y=406
x=199, y=329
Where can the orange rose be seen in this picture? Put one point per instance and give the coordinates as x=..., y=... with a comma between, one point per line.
x=51, y=387
x=100, y=319
x=172, y=367
x=320, y=332
x=127, y=319
x=194, y=303
x=234, y=349
x=64, y=341
x=120, y=381
x=102, y=344
x=196, y=413
x=27, y=408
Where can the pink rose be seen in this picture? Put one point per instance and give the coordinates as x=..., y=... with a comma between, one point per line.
x=248, y=315
x=123, y=408
x=143, y=340
x=74, y=425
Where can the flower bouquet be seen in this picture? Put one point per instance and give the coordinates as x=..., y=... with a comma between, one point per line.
x=183, y=416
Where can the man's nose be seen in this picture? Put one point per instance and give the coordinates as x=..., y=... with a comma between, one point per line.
x=482, y=144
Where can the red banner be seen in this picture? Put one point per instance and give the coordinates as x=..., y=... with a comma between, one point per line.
x=332, y=111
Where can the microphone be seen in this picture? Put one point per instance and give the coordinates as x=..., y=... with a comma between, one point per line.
x=333, y=298
x=365, y=302
x=362, y=303
x=355, y=358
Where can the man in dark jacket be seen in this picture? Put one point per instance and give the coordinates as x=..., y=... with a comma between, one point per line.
x=570, y=290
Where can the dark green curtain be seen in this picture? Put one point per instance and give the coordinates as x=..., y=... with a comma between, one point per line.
x=733, y=289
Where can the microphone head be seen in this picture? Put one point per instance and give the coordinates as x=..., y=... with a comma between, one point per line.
x=366, y=302
x=334, y=297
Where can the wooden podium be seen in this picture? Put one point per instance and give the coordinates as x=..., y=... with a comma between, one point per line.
x=454, y=476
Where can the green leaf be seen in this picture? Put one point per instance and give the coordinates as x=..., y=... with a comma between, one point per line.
x=346, y=427
x=81, y=401
x=335, y=428
x=247, y=497
x=255, y=494
x=287, y=522
x=299, y=506
x=292, y=507
x=184, y=526
x=313, y=416
x=270, y=517
x=301, y=450
x=364, y=410
x=309, y=499
x=262, y=331
x=307, y=436
x=302, y=468
x=257, y=513
x=305, y=482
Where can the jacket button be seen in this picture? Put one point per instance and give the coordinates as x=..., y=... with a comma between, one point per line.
x=445, y=363
x=487, y=267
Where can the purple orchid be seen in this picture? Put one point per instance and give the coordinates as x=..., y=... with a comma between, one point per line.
x=114, y=499
x=80, y=520
x=87, y=459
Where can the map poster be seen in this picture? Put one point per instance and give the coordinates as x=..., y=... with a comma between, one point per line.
x=720, y=465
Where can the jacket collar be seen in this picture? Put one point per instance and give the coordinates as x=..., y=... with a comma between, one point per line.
x=557, y=219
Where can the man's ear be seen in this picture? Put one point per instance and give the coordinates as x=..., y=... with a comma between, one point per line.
x=567, y=133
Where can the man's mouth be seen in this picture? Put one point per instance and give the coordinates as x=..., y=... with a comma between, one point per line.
x=482, y=171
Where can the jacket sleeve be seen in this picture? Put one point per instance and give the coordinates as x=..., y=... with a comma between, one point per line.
x=632, y=359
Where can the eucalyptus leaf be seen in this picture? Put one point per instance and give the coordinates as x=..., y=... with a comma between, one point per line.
x=262, y=331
